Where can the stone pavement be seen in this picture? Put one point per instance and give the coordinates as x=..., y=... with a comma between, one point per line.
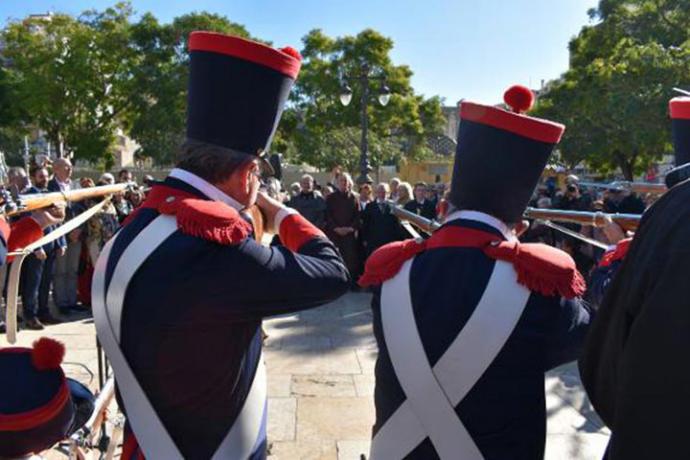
x=320, y=385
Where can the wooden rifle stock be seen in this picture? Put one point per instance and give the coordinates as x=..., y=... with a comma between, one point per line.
x=595, y=219
x=33, y=201
x=258, y=222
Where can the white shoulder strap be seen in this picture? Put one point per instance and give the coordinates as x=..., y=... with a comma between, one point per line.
x=153, y=438
x=433, y=394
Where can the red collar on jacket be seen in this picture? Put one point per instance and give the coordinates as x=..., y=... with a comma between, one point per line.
x=211, y=220
x=540, y=268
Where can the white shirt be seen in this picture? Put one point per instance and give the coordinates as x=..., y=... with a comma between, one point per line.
x=64, y=186
x=216, y=194
x=484, y=218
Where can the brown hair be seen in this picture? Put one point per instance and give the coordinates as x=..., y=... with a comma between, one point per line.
x=210, y=162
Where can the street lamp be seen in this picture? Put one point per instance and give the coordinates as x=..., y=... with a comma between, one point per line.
x=384, y=96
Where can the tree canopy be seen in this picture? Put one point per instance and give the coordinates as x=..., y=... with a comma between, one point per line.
x=84, y=79
x=613, y=98
x=318, y=130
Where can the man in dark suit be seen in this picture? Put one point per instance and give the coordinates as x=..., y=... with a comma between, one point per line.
x=38, y=268
x=379, y=226
x=420, y=205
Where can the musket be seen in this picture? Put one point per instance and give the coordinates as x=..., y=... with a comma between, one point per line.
x=595, y=219
x=418, y=221
x=33, y=201
x=636, y=187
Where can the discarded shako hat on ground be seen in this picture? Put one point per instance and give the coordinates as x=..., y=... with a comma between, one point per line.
x=237, y=91
x=36, y=408
x=501, y=155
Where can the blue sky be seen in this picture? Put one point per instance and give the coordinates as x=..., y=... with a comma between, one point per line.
x=456, y=49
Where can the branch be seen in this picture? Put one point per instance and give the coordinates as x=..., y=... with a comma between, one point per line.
x=662, y=14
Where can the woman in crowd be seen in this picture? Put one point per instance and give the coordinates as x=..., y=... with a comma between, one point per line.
x=99, y=229
x=404, y=193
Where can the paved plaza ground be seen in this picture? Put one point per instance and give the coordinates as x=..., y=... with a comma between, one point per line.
x=320, y=385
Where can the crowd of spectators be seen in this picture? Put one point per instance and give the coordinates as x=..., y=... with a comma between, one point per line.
x=359, y=219
x=572, y=196
x=64, y=267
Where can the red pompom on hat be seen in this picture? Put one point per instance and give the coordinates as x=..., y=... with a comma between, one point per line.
x=290, y=51
x=47, y=354
x=519, y=98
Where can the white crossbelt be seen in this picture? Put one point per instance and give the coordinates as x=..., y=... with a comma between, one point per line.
x=154, y=440
x=433, y=394
x=15, y=271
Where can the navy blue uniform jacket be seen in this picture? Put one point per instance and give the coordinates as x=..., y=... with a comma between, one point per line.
x=192, y=316
x=505, y=411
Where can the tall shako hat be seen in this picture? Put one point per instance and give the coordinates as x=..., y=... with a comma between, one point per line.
x=501, y=155
x=36, y=410
x=679, y=109
x=237, y=91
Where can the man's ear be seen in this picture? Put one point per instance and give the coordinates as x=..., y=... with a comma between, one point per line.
x=245, y=173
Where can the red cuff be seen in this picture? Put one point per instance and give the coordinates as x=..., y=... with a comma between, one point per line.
x=295, y=230
x=23, y=233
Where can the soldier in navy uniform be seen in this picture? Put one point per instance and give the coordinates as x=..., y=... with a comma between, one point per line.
x=179, y=293
x=468, y=321
x=634, y=362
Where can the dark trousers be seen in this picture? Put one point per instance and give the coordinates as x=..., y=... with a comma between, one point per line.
x=37, y=276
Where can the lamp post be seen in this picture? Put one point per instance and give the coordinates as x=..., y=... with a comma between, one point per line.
x=384, y=96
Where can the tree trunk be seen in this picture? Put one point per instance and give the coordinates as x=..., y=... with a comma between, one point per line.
x=626, y=165
x=627, y=168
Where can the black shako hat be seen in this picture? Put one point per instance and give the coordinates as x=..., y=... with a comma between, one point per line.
x=500, y=156
x=237, y=91
x=679, y=109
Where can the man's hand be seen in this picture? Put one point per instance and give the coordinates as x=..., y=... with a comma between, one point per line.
x=614, y=233
x=40, y=254
x=521, y=227
x=269, y=207
x=45, y=218
x=60, y=251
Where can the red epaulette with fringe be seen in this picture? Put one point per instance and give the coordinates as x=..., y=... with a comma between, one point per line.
x=540, y=268
x=210, y=220
x=615, y=254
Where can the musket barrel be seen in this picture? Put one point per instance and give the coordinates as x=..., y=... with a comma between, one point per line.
x=637, y=187
x=418, y=221
x=595, y=219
